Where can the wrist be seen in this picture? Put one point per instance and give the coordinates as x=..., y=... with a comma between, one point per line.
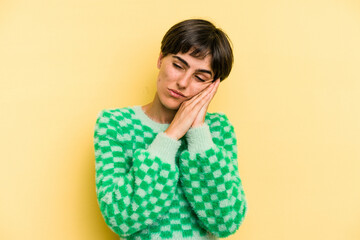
x=198, y=123
x=199, y=139
x=171, y=134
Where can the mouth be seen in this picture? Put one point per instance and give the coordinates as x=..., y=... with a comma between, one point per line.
x=176, y=94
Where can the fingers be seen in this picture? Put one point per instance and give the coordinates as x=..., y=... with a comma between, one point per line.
x=212, y=88
x=204, y=93
x=203, y=106
x=217, y=83
x=192, y=112
x=201, y=99
x=210, y=96
x=210, y=93
x=201, y=94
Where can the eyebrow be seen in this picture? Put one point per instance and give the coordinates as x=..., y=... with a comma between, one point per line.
x=187, y=65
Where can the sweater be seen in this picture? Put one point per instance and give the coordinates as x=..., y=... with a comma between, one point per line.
x=151, y=186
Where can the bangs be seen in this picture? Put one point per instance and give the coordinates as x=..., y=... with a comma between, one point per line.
x=198, y=48
x=200, y=52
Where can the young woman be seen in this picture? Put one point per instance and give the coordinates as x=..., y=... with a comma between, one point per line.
x=168, y=169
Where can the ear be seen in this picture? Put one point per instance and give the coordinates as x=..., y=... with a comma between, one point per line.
x=159, y=60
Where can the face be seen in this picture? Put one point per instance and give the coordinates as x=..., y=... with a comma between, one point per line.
x=181, y=77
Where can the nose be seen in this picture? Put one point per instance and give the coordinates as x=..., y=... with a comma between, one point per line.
x=184, y=81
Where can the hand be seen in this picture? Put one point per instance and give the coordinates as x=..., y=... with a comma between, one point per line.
x=200, y=119
x=192, y=112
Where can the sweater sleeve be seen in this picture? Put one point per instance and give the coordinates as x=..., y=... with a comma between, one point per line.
x=132, y=191
x=210, y=177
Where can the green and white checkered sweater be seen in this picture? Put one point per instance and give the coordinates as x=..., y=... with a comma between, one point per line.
x=150, y=186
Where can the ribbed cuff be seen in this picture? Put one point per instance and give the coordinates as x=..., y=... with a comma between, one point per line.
x=199, y=139
x=164, y=147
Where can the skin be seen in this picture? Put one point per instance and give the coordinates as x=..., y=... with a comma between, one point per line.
x=193, y=78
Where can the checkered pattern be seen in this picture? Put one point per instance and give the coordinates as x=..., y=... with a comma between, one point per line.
x=211, y=181
x=152, y=187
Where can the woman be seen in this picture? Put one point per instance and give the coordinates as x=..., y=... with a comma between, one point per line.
x=168, y=169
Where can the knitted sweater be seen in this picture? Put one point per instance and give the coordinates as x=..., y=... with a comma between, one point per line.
x=151, y=186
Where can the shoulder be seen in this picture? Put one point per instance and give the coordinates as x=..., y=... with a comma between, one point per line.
x=120, y=113
x=115, y=117
x=219, y=124
x=116, y=113
x=217, y=119
x=222, y=130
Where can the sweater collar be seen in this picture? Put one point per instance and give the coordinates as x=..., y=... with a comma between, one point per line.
x=146, y=120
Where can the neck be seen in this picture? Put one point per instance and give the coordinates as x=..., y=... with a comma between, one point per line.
x=158, y=112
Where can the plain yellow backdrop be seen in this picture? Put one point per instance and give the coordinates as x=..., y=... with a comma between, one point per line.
x=293, y=97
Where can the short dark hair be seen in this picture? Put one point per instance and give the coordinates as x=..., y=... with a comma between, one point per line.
x=203, y=38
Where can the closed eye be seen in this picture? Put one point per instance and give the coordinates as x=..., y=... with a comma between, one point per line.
x=200, y=78
x=177, y=66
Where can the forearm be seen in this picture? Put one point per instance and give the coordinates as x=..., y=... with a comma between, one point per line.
x=134, y=186
x=211, y=180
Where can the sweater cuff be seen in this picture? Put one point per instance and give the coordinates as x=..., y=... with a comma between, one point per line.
x=199, y=139
x=164, y=147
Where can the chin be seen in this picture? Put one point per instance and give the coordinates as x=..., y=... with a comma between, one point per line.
x=171, y=104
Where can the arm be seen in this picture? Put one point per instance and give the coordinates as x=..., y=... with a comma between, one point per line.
x=132, y=191
x=210, y=177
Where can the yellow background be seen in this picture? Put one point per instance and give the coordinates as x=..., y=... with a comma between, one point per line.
x=293, y=97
